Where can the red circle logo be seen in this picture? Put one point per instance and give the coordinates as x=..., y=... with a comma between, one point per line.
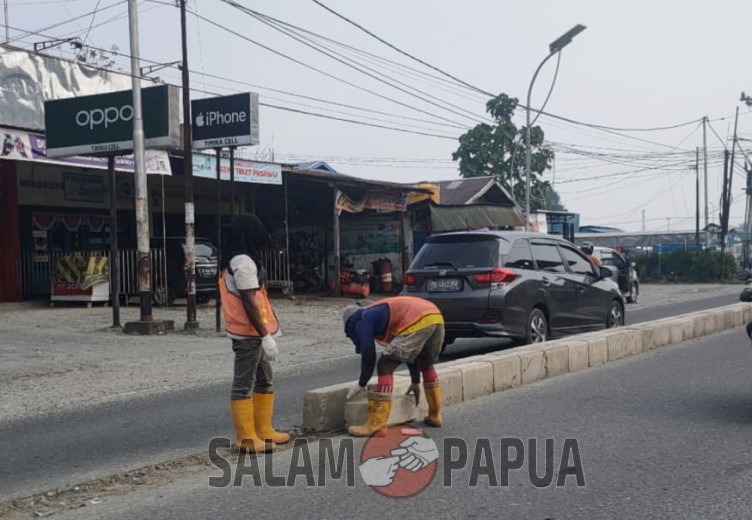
x=399, y=461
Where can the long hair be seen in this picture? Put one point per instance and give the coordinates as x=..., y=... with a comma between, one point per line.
x=248, y=236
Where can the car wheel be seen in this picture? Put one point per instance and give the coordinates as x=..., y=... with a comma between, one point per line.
x=537, y=327
x=162, y=297
x=634, y=293
x=615, y=316
x=202, y=299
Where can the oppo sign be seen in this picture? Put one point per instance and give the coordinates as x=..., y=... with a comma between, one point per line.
x=104, y=116
x=103, y=124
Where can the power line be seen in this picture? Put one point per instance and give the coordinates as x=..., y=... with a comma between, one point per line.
x=363, y=69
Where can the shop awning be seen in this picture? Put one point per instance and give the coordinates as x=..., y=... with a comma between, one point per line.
x=474, y=216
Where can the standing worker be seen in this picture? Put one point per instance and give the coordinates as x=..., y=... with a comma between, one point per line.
x=251, y=324
x=412, y=331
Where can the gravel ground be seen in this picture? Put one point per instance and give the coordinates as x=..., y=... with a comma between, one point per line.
x=64, y=358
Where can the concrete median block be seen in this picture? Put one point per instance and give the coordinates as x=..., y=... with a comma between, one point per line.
x=324, y=408
x=710, y=323
x=624, y=343
x=681, y=329
x=597, y=351
x=734, y=317
x=579, y=356
x=477, y=379
x=451, y=386
x=557, y=360
x=532, y=366
x=720, y=320
x=655, y=335
x=507, y=370
x=747, y=312
x=699, y=320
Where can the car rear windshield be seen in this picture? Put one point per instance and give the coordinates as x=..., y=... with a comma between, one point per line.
x=459, y=253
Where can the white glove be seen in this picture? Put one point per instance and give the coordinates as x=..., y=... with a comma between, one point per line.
x=355, y=389
x=379, y=471
x=270, y=348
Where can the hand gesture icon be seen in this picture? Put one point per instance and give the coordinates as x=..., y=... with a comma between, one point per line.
x=379, y=471
x=415, y=453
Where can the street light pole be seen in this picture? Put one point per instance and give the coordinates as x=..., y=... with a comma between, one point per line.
x=554, y=48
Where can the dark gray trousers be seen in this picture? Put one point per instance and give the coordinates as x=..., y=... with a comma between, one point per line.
x=253, y=373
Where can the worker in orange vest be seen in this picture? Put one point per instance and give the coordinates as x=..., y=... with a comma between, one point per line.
x=412, y=331
x=252, y=325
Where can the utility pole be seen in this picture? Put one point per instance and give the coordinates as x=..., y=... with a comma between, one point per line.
x=142, y=206
x=7, y=23
x=724, y=210
x=697, y=200
x=190, y=214
x=748, y=215
x=705, y=173
x=668, y=223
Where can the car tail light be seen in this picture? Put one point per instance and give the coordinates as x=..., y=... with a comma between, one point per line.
x=409, y=279
x=497, y=275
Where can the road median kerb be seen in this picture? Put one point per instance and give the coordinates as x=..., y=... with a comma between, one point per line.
x=327, y=410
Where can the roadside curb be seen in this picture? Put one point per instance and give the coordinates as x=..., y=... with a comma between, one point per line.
x=326, y=409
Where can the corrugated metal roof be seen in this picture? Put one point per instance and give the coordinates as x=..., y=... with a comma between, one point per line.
x=475, y=216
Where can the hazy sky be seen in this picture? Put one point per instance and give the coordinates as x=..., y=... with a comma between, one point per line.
x=639, y=64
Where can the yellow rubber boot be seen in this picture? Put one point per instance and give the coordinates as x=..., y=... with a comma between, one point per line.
x=379, y=408
x=245, y=429
x=263, y=410
x=433, y=397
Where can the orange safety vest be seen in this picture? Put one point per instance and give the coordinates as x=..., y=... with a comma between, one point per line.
x=408, y=314
x=236, y=318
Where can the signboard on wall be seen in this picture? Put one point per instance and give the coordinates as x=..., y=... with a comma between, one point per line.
x=225, y=121
x=103, y=123
x=245, y=171
x=80, y=187
x=18, y=145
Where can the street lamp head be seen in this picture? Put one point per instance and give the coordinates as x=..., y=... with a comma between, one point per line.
x=566, y=38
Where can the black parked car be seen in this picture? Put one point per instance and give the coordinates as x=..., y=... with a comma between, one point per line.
x=625, y=273
x=525, y=286
x=206, y=270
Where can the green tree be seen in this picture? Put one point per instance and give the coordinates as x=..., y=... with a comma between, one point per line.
x=498, y=149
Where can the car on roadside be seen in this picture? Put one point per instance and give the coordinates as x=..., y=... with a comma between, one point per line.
x=206, y=270
x=624, y=271
x=509, y=284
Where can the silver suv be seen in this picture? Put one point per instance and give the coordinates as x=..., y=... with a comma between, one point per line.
x=624, y=271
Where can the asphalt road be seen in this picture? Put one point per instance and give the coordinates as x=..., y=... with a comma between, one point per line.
x=662, y=435
x=60, y=450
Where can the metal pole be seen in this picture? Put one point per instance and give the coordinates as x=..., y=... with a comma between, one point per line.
x=705, y=170
x=286, y=181
x=528, y=148
x=697, y=200
x=142, y=207
x=336, y=244
x=190, y=212
x=232, y=183
x=218, y=306
x=114, y=253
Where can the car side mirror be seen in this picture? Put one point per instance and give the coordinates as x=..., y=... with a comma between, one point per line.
x=606, y=273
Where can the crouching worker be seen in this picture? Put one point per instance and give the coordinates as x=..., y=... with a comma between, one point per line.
x=412, y=331
x=251, y=324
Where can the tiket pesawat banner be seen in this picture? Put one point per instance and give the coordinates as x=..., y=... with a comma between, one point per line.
x=245, y=171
